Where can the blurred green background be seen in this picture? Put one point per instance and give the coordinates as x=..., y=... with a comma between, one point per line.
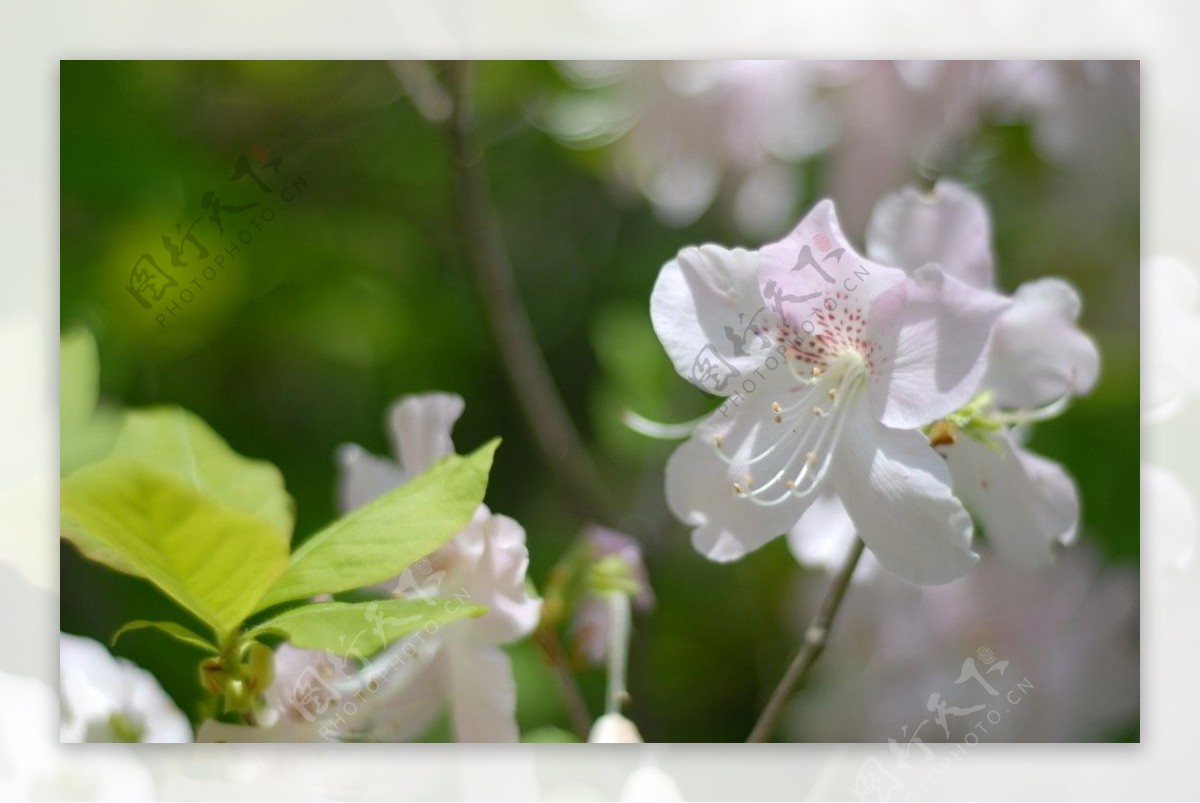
x=356, y=293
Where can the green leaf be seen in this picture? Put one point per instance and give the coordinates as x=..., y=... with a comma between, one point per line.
x=216, y=563
x=175, y=631
x=381, y=539
x=363, y=627
x=178, y=442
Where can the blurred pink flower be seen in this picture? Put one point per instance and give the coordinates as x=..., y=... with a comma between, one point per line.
x=898, y=657
x=686, y=133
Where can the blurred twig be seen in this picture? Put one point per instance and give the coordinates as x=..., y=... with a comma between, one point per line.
x=539, y=399
x=577, y=709
x=815, y=638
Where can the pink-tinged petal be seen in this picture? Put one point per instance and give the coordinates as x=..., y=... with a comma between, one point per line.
x=499, y=583
x=420, y=429
x=1026, y=503
x=896, y=490
x=935, y=331
x=483, y=693
x=816, y=268
x=363, y=476
x=949, y=227
x=823, y=537
x=700, y=484
x=1039, y=353
x=406, y=705
x=707, y=312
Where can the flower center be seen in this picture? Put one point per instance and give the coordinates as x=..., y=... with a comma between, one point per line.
x=795, y=447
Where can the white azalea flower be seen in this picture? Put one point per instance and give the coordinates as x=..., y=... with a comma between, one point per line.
x=1039, y=359
x=463, y=663
x=109, y=699
x=829, y=363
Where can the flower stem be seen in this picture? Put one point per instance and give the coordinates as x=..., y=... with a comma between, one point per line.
x=577, y=709
x=618, y=651
x=534, y=388
x=815, y=638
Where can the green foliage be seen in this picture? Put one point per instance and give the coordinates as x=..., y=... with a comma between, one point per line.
x=172, y=629
x=176, y=441
x=362, y=628
x=175, y=506
x=215, y=562
x=381, y=539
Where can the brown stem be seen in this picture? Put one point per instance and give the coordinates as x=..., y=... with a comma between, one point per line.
x=577, y=709
x=815, y=638
x=539, y=399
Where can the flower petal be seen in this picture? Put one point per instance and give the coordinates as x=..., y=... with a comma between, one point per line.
x=802, y=273
x=95, y=686
x=823, y=537
x=935, y=331
x=1039, y=353
x=363, y=476
x=706, y=309
x=700, y=484
x=949, y=227
x=896, y=490
x=483, y=693
x=406, y=705
x=499, y=583
x=420, y=428
x=1026, y=503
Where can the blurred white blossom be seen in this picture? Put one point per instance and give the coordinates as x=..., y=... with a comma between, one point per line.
x=688, y=132
x=685, y=134
x=1068, y=630
x=109, y=699
x=463, y=664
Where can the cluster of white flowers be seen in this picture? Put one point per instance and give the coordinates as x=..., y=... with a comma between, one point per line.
x=687, y=134
x=873, y=395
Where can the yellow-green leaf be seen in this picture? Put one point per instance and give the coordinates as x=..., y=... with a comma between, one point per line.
x=215, y=562
x=172, y=629
x=364, y=628
x=178, y=442
x=381, y=539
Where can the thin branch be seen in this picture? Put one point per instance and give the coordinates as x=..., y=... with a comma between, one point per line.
x=814, y=642
x=545, y=413
x=577, y=708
